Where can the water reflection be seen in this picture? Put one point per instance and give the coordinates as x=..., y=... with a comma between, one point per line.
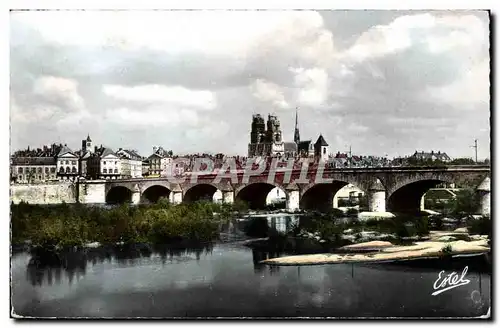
x=74, y=263
x=227, y=279
x=283, y=224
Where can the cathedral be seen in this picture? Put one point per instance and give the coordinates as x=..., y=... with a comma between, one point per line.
x=266, y=140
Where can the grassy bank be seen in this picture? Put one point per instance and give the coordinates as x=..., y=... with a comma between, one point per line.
x=75, y=225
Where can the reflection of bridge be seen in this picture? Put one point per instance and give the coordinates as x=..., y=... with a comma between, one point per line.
x=392, y=189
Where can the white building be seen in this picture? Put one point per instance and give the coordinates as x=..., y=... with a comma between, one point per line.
x=104, y=164
x=167, y=167
x=131, y=163
x=67, y=164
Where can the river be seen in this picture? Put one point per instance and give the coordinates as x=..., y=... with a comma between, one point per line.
x=226, y=280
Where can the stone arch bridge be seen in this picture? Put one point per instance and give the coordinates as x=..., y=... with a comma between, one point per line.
x=388, y=189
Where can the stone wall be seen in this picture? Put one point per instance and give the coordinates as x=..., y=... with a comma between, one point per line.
x=49, y=193
x=93, y=192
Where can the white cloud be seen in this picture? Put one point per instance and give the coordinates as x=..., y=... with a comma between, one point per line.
x=185, y=72
x=176, y=95
x=269, y=92
x=312, y=86
x=151, y=117
x=439, y=32
x=57, y=89
x=472, y=88
x=212, y=32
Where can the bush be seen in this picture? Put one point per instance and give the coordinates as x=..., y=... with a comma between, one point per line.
x=447, y=250
x=352, y=212
x=480, y=226
x=65, y=225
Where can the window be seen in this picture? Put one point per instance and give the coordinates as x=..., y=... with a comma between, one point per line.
x=39, y=170
x=67, y=162
x=104, y=170
x=20, y=170
x=116, y=162
x=104, y=162
x=39, y=177
x=52, y=170
x=116, y=170
x=20, y=177
x=46, y=170
x=324, y=150
x=61, y=169
x=73, y=162
x=68, y=170
x=33, y=170
x=73, y=170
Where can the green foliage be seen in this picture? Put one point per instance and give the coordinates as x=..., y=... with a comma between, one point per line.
x=466, y=202
x=325, y=226
x=240, y=205
x=74, y=225
x=352, y=212
x=447, y=249
x=413, y=161
x=480, y=226
x=462, y=161
x=422, y=226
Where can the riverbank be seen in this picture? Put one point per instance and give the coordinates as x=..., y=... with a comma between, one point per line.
x=64, y=226
x=382, y=251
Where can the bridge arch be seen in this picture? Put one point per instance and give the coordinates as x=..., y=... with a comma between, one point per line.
x=320, y=196
x=407, y=198
x=119, y=195
x=255, y=194
x=155, y=193
x=200, y=192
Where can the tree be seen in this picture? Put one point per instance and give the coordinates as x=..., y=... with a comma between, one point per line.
x=466, y=202
x=462, y=161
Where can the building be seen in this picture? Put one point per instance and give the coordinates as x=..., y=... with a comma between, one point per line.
x=54, y=162
x=84, y=155
x=432, y=156
x=67, y=164
x=305, y=148
x=103, y=163
x=145, y=167
x=321, y=149
x=265, y=141
x=33, y=169
x=131, y=163
x=159, y=163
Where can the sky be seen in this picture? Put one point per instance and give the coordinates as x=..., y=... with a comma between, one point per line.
x=381, y=82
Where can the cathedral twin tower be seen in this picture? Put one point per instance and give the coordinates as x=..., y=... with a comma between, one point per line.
x=269, y=142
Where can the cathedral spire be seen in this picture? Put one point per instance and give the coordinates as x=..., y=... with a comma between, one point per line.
x=296, y=136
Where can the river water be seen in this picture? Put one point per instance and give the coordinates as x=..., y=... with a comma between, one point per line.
x=226, y=280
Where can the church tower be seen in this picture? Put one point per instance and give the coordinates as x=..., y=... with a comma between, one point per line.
x=87, y=144
x=296, y=136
